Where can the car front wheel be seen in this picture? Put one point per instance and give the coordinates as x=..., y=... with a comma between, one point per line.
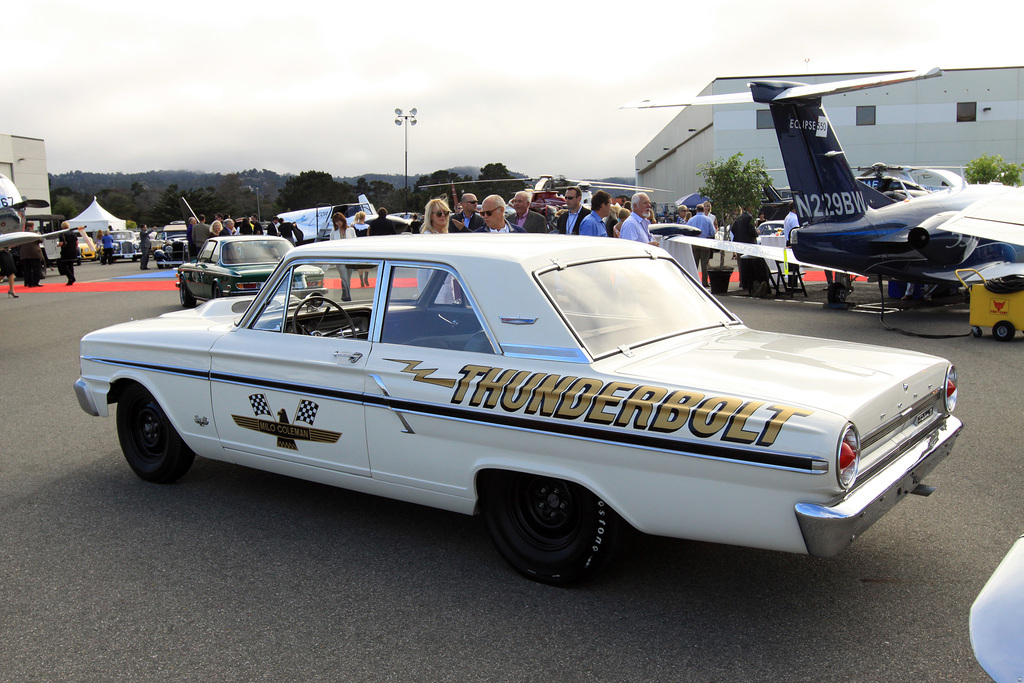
x=550, y=530
x=153, y=448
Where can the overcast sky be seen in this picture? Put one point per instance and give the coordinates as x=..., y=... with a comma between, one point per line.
x=207, y=85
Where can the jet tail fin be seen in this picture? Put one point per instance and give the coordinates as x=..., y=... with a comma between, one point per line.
x=365, y=206
x=820, y=178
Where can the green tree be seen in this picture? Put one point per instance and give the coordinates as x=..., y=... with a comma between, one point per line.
x=732, y=184
x=497, y=171
x=168, y=207
x=66, y=206
x=992, y=168
x=312, y=188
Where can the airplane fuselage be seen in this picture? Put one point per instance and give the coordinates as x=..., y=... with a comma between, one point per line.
x=897, y=240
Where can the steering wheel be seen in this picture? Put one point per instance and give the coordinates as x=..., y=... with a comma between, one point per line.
x=317, y=302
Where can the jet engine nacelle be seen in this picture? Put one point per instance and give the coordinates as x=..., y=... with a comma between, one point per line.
x=943, y=247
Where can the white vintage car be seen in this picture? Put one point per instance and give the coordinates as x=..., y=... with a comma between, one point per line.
x=561, y=387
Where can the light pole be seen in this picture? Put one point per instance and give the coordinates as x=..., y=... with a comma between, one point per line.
x=403, y=118
x=256, y=189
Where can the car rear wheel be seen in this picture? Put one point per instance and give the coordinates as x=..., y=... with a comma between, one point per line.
x=152, y=447
x=550, y=530
x=185, y=294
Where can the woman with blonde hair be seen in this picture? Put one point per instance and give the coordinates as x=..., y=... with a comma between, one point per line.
x=437, y=215
x=360, y=224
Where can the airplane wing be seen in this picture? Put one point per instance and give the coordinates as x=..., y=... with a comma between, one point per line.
x=780, y=254
x=16, y=239
x=800, y=91
x=1000, y=218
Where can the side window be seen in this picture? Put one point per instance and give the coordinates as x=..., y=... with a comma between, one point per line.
x=206, y=255
x=322, y=299
x=426, y=307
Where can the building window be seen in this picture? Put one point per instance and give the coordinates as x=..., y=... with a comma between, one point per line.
x=764, y=119
x=966, y=111
x=866, y=115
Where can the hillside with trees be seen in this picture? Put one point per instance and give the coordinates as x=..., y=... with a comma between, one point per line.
x=151, y=197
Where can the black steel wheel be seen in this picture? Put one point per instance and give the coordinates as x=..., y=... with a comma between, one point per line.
x=185, y=294
x=837, y=293
x=153, y=448
x=976, y=332
x=550, y=530
x=216, y=293
x=1004, y=330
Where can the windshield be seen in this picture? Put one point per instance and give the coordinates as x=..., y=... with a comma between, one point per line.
x=250, y=252
x=627, y=302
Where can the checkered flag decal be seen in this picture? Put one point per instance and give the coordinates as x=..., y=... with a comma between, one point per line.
x=260, y=405
x=306, y=411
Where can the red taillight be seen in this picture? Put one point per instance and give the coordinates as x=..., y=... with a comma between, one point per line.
x=848, y=458
x=951, y=390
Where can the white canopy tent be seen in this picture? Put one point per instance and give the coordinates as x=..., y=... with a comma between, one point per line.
x=97, y=218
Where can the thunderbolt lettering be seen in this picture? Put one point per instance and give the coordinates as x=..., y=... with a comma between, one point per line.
x=622, y=404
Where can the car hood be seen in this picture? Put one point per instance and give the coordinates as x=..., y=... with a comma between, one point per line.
x=852, y=380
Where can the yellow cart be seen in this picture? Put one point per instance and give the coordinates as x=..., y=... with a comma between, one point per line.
x=1004, y=313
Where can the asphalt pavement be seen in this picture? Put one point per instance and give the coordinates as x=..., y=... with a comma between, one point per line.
x=233, y=574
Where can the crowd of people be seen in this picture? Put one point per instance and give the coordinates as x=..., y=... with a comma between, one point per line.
x=631, y=220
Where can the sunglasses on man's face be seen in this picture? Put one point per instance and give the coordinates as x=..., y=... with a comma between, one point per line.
x=489, y=212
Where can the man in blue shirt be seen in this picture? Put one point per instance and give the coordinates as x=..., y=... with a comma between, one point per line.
x=593, y=223
x=702, y=254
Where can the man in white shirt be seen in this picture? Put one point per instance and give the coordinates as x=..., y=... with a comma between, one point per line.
x=636, y=226
x=792, y=222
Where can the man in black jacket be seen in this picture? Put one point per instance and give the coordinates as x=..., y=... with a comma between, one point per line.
x=743, y=231
x=569, y=222
x=381, y=225
x=467, y=220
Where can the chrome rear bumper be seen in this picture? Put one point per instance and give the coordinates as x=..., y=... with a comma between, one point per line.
x=828, y=530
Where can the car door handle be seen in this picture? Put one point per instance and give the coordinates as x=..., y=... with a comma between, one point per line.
x=352, y=357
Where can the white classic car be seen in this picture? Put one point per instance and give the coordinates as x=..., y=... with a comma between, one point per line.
x=561, y=387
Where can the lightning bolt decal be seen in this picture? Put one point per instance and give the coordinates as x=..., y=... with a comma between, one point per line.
x=423, y=374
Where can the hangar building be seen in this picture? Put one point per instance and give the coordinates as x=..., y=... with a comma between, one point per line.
x=23, y=160
x=944, y=121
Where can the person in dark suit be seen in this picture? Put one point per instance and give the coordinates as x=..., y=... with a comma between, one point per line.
x=569, y=222
x=529, y=221
x=467, y=220
x=493, y=211
x=381, y=225
x=743, y=231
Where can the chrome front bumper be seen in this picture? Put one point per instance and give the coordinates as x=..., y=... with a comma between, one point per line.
x=87, y=399
x=828, y=530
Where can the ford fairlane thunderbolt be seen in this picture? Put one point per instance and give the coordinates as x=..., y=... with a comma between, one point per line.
x=560, y=387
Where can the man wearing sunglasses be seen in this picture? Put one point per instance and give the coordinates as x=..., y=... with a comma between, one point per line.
x=468, y=218
x=493, y=211
x=569, y=222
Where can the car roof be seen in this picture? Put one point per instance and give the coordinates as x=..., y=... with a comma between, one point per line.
x=531, y=250
x=247, y=238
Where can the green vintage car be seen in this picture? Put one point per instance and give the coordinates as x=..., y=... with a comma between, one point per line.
x=230, y=266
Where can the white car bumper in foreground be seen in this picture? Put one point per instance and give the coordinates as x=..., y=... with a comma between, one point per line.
x=828, y=530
